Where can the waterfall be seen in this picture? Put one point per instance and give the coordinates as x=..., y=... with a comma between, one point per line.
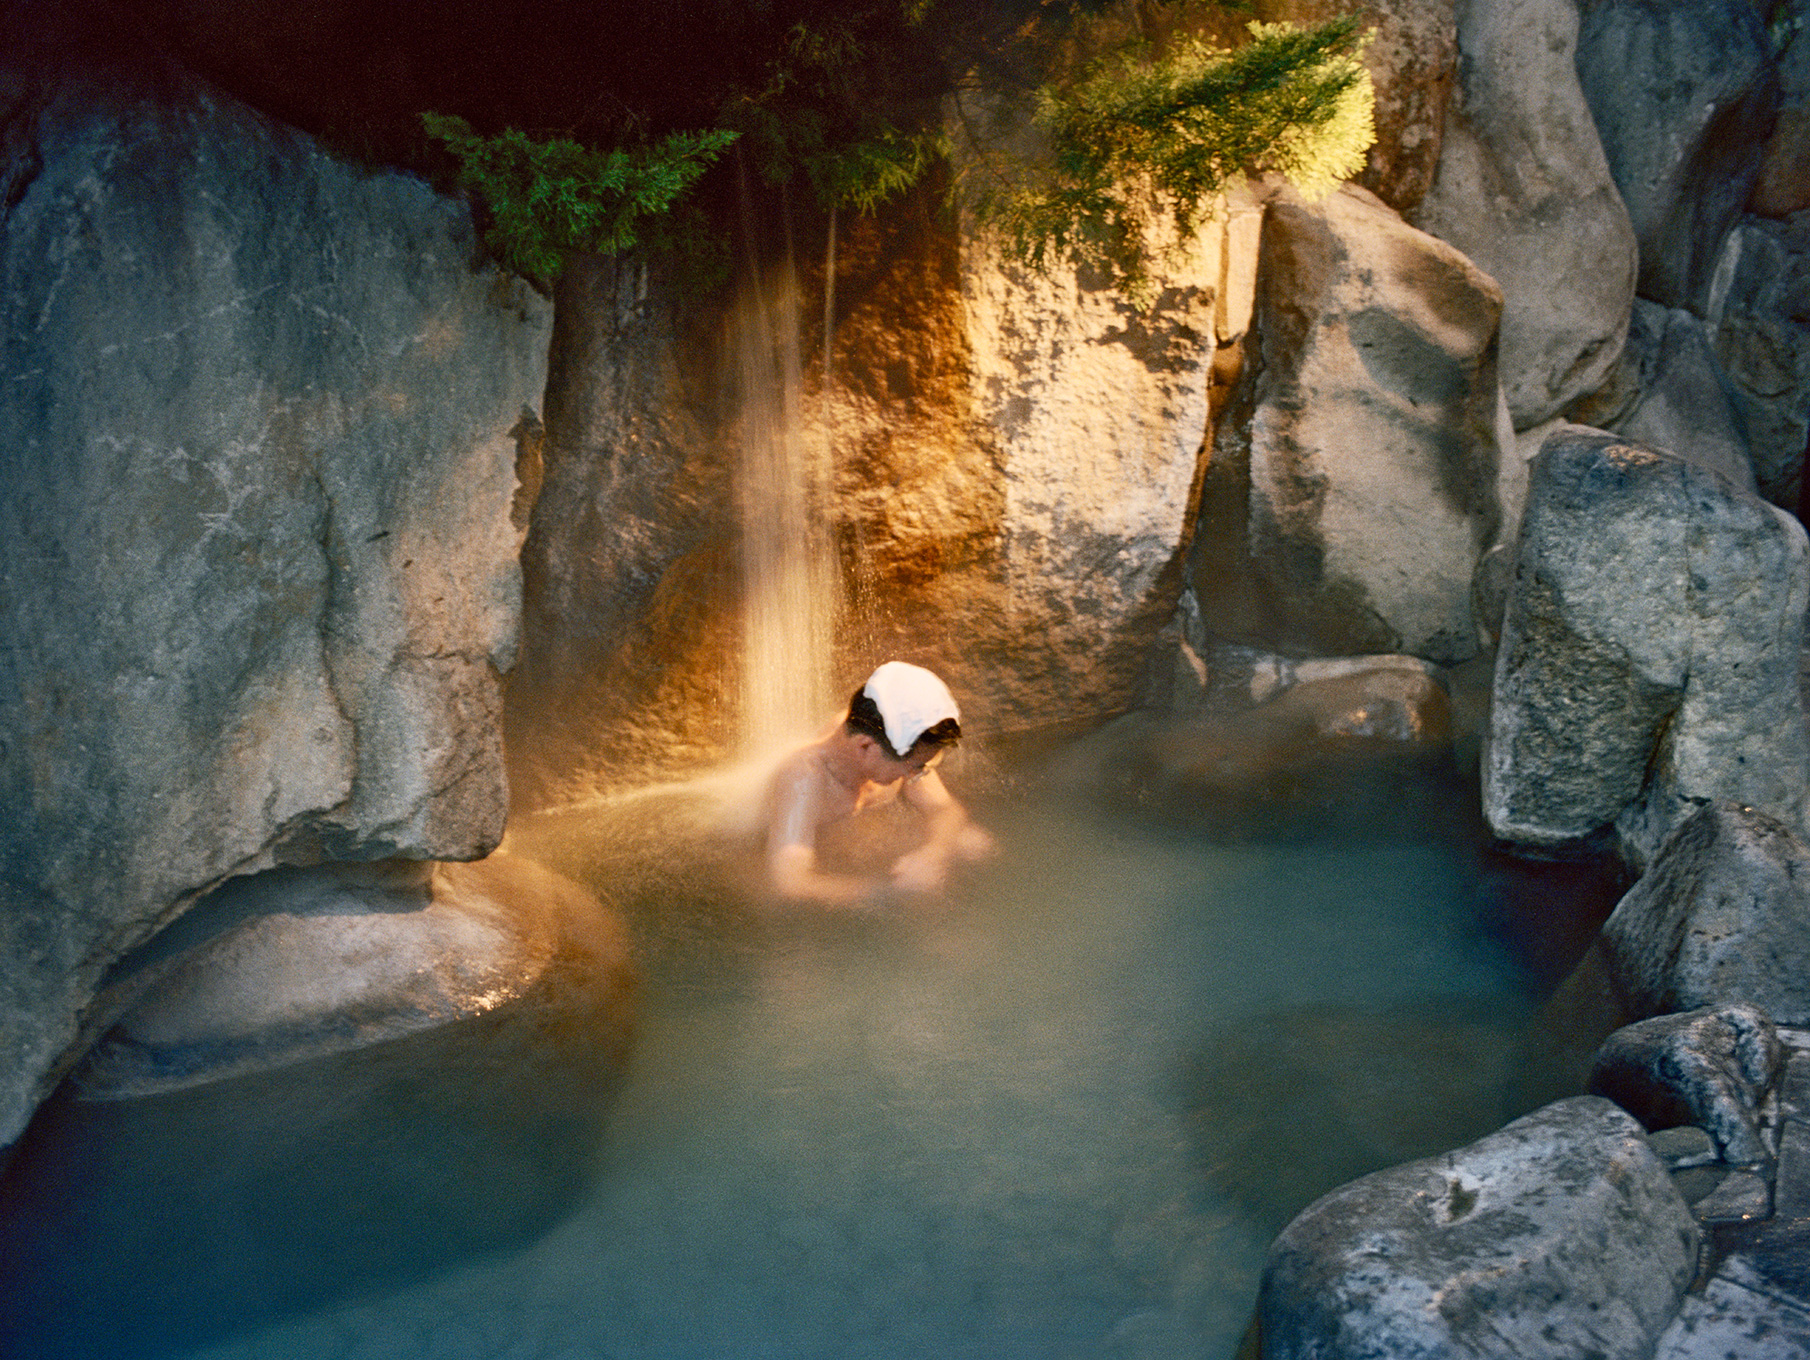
x=792, y=593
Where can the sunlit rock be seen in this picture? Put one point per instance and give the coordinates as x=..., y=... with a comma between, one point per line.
x=1721, y=916
x=1683, y=93
x=1523, y=189
x=1412, y=57
x=1560, y=1235
x=1649, y=655
x=1710, y=1068
x=260, y=528
x=295, y=964
x=1371, y=488
x=1013, y=460
x=1759, y=323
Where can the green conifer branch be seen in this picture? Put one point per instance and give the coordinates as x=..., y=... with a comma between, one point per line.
x=550, y=198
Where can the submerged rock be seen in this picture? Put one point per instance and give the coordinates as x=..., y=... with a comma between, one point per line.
x=296, y=964
x=260, y=529
x=1523, y=189
x=1721, y=916
x=1649, y=655
x=1559, y=1236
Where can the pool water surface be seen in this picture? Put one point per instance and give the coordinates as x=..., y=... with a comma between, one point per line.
x=1060, y=1113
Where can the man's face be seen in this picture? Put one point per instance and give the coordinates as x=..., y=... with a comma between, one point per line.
x=884, y=768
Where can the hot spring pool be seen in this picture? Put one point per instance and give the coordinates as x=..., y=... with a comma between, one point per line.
x=1062, y=1114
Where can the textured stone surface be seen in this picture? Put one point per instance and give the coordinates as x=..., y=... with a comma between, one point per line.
x=299, y=963
x=1737, y=1317
x=1412, y=57
x=1719, y=917
x=1560, y=1235
x=1683, y=93
x=1013, y=465
x=1373, y=459
x=1683, y=406
x=260, y=572
x=1649, y=653
x=1784, y=183
x=1759, y=323
x=629, y=566
x=1524, y=191
x=1709, y=1068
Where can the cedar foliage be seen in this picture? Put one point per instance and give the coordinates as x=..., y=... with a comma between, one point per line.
x=1140, y=149
x=549, y=198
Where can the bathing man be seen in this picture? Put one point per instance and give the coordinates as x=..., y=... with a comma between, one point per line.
x=898, y=726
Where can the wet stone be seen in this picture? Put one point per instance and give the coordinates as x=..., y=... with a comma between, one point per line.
x=1684, y=1146
x=1794, y=1170
x=1794, y=1091
x=1741, y=1197
x=1697, y=1183
x=1737, y=1314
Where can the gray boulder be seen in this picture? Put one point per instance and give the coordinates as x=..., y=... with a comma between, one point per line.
x=1710, y=1068
x=1683, y=403
x=1372, y=444
x=261, y=527
x=1683, y=93
x=1649, y=652
x=1719, y=917
x=295, y=964
x=1558, y=1236
x=1784, y=183
x=1759, y=323
x=1523, y=190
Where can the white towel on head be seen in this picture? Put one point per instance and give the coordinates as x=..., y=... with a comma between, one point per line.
x=911, y=700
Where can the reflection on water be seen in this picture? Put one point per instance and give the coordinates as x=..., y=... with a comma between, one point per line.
x=1060, y=1114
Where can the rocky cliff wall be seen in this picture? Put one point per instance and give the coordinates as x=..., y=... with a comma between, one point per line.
x=260, y=532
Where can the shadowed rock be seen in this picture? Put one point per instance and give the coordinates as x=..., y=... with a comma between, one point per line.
x=1523, y=189
x=260, y=525
x=1649, y=653
x=1719, y=917
x=1559, y=1236
x=1683, y=93
x=1709, y=1067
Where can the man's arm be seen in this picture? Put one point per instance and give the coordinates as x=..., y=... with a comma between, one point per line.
x=949, y=834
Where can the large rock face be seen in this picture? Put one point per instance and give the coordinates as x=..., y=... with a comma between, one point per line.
x=1012, y=460
x=1682, y=404
x=1372, y=442
x=1759, y=321
x=1683, y=93
x=1523, y=189
x=1559, y=1236
x=1720, y=916
x=1649, y=655
x=260, y=564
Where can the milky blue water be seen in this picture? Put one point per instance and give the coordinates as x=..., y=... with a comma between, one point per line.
x=1060, y=1114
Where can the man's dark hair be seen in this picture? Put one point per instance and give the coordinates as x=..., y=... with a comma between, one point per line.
x=864, y=717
